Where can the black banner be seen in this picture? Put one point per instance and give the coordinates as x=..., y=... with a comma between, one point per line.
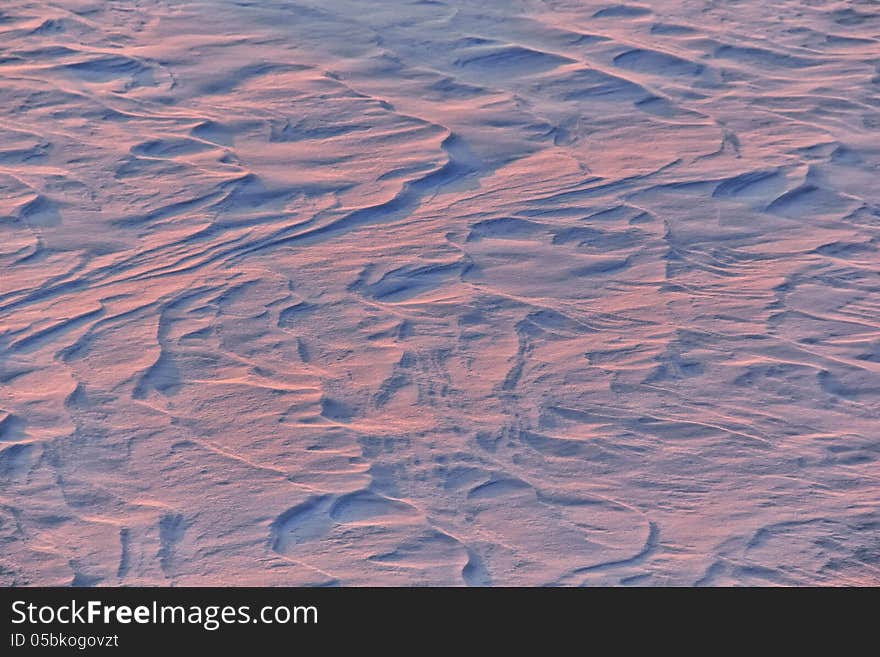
x=129, y=620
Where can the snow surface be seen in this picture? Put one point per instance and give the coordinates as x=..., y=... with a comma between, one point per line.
x=439, y=292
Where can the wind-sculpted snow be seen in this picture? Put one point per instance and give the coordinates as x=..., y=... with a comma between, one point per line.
x=439, y=292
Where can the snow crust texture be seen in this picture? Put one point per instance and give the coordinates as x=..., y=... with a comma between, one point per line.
x=439, y=292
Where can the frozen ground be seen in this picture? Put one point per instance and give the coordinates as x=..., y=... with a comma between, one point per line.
x=439, y=292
